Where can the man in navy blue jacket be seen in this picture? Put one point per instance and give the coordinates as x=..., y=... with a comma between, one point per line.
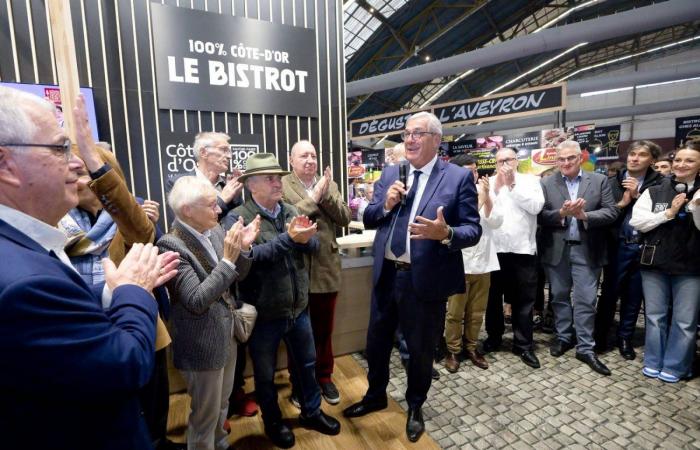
x=63, y=356
x=417, y=262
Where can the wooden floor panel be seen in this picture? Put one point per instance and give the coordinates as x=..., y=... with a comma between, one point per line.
x=380, y=430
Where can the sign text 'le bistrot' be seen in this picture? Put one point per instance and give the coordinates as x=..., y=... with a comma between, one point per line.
x=214, y=62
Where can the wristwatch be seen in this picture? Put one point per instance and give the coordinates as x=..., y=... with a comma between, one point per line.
x=448, y=239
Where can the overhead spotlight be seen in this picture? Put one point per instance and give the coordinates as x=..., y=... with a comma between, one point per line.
x=426, y=57
x=371, y=10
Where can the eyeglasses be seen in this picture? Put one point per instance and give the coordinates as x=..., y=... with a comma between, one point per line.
x=570, y=159
x=415, y=134
x=63, y=149
x=225, y=149
x=506, y=161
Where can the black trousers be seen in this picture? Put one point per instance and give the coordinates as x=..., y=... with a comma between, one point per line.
x=515, y=283
x=155, y=400
x=394, y=302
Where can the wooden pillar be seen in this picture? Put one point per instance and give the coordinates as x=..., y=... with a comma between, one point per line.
x=66, y=63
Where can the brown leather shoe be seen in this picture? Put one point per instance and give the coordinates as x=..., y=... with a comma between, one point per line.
x=477, y=359
x=451, y=362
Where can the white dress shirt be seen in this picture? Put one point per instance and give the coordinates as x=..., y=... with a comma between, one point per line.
x=50, y=238
x=520, y=209
x=644, y=219
x=203, y=239
x=426, y=170
x=482, y=257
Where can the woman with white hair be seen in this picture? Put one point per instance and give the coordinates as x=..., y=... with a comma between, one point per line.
x=202, y=298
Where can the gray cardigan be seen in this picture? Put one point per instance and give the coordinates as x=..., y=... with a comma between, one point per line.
x=201, y=305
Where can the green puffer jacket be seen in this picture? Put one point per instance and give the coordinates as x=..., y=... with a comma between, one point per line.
x=278, y=281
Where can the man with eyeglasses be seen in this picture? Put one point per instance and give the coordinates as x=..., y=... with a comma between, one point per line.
x=61, y=351
x=422, y=226
x=520, y=196
x=578, y=208
x=213, y=154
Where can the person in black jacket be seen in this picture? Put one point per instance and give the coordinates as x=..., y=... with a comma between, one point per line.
x=278, y=286
x=668, y=215
x=621, y=276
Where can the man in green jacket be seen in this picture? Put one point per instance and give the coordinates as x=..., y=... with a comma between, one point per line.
x=278, y=285
x=320, y=200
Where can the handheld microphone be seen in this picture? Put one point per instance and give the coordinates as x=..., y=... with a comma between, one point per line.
x=403, y=177
x=681, y=188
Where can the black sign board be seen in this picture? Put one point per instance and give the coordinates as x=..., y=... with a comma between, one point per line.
x=459, y=147
x=584, y=135
x=687, y=129
x=501, y=106
x=392, y=123
x=606, y=142
x=520, y=103
x=530, y=141
x=178, y=155
x=212, y=62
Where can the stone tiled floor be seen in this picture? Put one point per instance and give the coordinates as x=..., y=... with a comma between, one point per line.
x=561, y=405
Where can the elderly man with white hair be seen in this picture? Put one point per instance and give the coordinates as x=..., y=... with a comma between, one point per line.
x=212, y=152
x=62, y=352
x=578, y=208
x=278, y=286
x=202, y=298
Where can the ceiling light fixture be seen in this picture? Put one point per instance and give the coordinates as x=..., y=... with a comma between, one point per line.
x=623, y=58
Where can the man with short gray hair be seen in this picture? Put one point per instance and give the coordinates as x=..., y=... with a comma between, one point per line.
x=578, y=208
x=319, y=199
x=213, y=155
x=61, y=350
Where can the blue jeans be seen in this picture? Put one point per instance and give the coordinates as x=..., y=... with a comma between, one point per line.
x=670, y=350
x=299, y=339
x=629, y=286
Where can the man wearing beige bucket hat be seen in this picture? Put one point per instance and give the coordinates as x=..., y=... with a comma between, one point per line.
x=278, y=286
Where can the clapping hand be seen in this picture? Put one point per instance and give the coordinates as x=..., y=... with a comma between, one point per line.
x=232, y=241
x=141, y=266
x=168, y=267
x=429, y=229
x=250, y=232
x=301, y=229
x=573, y=208
x=322, y=185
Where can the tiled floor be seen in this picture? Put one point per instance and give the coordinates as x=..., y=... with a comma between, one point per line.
x=561, y=405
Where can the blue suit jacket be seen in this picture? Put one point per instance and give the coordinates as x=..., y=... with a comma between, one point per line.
x=437, y=270
x=69, y=371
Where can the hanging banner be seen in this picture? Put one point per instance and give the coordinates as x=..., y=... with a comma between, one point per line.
x=213, y=62
x=687, y=129
x=521, y=103
x=530, y=140
x=606, y=142
x=584, y=135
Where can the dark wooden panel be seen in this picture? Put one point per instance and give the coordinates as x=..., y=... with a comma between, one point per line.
x=23, y=41
x=41, y=45
x=121, y=77
x=7, y=65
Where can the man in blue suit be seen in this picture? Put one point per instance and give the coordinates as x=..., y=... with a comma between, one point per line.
x=417, y=262
x=70, y=371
